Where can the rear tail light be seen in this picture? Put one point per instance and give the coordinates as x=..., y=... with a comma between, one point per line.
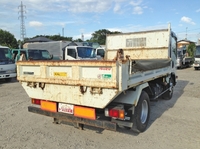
x=36, y=101
x=115, y=113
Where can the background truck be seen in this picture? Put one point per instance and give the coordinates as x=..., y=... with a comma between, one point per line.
x=183, y=59
x=7, y=64
x=80, y=53
x=31, y=54
x=105, y=93
x=100, y=51
x=54, y=47
x=196, y=63
x=57, y=48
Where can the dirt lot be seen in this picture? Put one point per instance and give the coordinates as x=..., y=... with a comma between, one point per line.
x=174, y=124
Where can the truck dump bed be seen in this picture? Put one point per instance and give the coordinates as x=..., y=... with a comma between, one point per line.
x=86, y=83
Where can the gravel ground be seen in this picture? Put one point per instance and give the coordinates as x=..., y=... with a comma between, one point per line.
x=174, y=124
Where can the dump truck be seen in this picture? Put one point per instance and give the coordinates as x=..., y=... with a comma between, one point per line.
x=138, y=67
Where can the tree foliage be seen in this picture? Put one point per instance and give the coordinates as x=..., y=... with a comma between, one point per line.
x=78, y=40
x=8, y=39
x=53, y=37
x=100, y=36
x=191, y=50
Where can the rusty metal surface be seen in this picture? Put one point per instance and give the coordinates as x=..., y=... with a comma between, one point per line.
x=139, y=45
x=85, y=82
x=76, y=73
x=70, y=118
x=70, y=94
x=68, y=63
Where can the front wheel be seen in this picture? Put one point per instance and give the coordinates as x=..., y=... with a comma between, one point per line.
x=141, y=114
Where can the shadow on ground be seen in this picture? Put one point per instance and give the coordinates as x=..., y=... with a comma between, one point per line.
x=159, y=107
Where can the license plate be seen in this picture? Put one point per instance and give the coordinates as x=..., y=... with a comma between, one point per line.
x=66, y=108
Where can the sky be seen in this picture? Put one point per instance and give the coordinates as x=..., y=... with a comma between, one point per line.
x=74, y=18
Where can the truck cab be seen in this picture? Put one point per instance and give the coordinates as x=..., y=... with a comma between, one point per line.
x=183, y=59
x=196, y=64
x=100, y=51
x=31, y=54
x=7, y=64
x=79, y=53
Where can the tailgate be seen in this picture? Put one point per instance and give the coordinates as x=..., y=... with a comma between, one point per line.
x=81, y=73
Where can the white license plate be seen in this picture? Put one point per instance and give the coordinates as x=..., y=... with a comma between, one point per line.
x=66, y=108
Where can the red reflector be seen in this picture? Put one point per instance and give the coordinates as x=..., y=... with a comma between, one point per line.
x=113, y=113
x=36, y=101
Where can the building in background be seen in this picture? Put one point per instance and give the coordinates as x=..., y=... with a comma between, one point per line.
x=184, y=42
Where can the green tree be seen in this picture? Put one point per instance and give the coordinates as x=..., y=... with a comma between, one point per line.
x=78, y=40
x=8, y=39
x=53, y=37
x=100, y=36
x=191, y=50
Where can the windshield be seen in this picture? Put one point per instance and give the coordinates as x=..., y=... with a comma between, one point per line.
x=38, y=54
x=197, y=53
x=5, y=55
x=86, y=52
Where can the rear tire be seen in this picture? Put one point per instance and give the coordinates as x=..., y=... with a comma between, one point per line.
x=141, y=115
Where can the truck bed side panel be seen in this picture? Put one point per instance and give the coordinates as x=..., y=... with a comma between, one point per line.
x=139, y=45
x=80, y=73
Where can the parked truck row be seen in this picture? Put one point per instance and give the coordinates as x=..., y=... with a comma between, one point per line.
x=58, y=49
x=138, y=67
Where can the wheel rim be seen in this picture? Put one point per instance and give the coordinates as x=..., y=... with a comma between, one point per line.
x=144, y=112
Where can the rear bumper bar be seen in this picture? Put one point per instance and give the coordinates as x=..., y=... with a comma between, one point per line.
x=70, y=118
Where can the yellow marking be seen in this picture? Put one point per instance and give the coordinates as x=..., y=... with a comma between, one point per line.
x=60, y=74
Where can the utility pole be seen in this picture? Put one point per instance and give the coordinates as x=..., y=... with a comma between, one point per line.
x=63, y=31
x=82, y=37
x=186, y=34
x=22, y=24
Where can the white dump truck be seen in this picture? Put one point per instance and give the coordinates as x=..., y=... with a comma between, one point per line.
x=105, y=93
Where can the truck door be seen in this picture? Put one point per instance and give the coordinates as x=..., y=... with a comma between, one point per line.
x=70, y=53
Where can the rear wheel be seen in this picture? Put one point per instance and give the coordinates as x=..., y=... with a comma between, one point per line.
x=141, y=115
